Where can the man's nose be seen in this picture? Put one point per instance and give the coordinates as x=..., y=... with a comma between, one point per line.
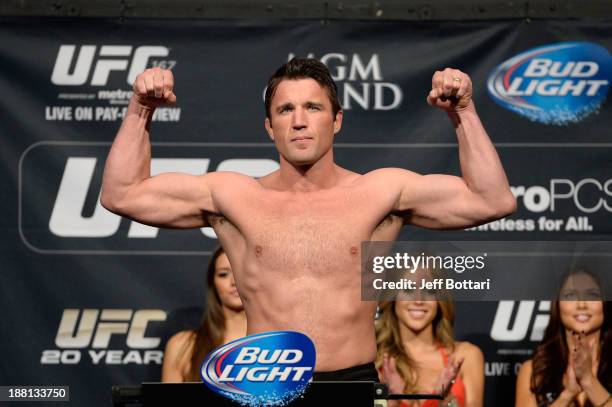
x=300, y=120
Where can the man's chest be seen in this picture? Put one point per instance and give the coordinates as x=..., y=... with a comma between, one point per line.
x=304, y=229
x=337, y=215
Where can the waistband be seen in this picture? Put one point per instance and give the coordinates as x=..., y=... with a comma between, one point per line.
x=366, y=372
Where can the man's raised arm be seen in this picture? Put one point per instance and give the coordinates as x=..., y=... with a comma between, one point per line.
x=170, y=200
x=482, y=193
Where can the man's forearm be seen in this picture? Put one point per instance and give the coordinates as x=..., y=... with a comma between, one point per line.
x=481, y=168
x=129, y=160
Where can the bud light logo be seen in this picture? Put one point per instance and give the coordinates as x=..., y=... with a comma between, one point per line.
x=555, y=84
x=268, y=369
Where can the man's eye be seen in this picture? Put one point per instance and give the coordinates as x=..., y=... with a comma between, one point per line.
x=285, y=109
x=313, y=107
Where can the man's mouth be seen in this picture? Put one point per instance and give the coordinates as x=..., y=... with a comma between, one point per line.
x=301, y=138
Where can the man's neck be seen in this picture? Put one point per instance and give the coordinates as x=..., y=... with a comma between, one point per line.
x=323, y=174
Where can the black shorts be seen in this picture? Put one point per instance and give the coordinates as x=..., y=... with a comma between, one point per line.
x=361, y=373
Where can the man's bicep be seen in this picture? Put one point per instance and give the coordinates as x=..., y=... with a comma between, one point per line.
x=439, y=201
x=173, y=200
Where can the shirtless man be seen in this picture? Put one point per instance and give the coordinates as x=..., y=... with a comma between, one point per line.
x=294, y=236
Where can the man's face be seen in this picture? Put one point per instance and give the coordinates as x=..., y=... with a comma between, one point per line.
x=301, y=122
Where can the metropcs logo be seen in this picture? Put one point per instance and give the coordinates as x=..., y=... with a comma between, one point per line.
x=94, y=333
x=571, y=199
x=360, y=81
x=268, y=369
x=106, y=59
x=589, y=195
x=554, y=84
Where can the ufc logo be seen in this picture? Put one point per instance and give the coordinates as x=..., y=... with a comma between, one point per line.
x=505, y=329
x=97, y=326
x=109, y=58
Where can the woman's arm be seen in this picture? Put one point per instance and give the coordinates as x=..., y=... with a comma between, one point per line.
x=176, y=356
x=472, y=373
x=582, y=364
x=389, y=375
x=525, y=398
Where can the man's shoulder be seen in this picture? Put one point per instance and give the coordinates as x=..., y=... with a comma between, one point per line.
x=231, y=182
x=388, y=174
x=232, y=176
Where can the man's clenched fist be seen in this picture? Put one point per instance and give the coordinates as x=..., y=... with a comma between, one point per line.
x=154, y=87
x=451, y=90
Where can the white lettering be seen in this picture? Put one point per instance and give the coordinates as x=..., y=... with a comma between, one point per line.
x=96, y=356
x=290, y=356
x=66, y=336
x=138, y=327
x=247, y=355
x=66, y=219
x=372, y=70
x=501, y=329
x=105, y=66
x=61, y=75
x=537, y=68
x=379, y=89
x=106, y=329
x=141, y=60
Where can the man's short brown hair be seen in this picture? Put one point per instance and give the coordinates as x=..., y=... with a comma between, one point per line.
x=301, y=68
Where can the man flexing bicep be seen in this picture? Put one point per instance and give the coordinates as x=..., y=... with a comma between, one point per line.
x=173, y=200
x=482, y=192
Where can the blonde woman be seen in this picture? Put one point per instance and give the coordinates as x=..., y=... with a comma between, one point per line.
x=417, y=353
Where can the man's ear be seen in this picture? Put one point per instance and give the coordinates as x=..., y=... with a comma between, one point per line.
x=338, y=122
x=269, y=129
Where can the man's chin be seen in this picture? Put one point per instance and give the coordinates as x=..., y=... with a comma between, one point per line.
x=302, y=161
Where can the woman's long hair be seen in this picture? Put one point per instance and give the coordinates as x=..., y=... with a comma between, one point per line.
x=210, y=333
x=389, y=342
x=551, y=357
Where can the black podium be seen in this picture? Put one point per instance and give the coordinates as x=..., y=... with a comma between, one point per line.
x=354, y=394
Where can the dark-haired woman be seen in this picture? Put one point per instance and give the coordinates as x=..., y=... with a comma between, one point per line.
x=573, y=364
x=224, y=320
